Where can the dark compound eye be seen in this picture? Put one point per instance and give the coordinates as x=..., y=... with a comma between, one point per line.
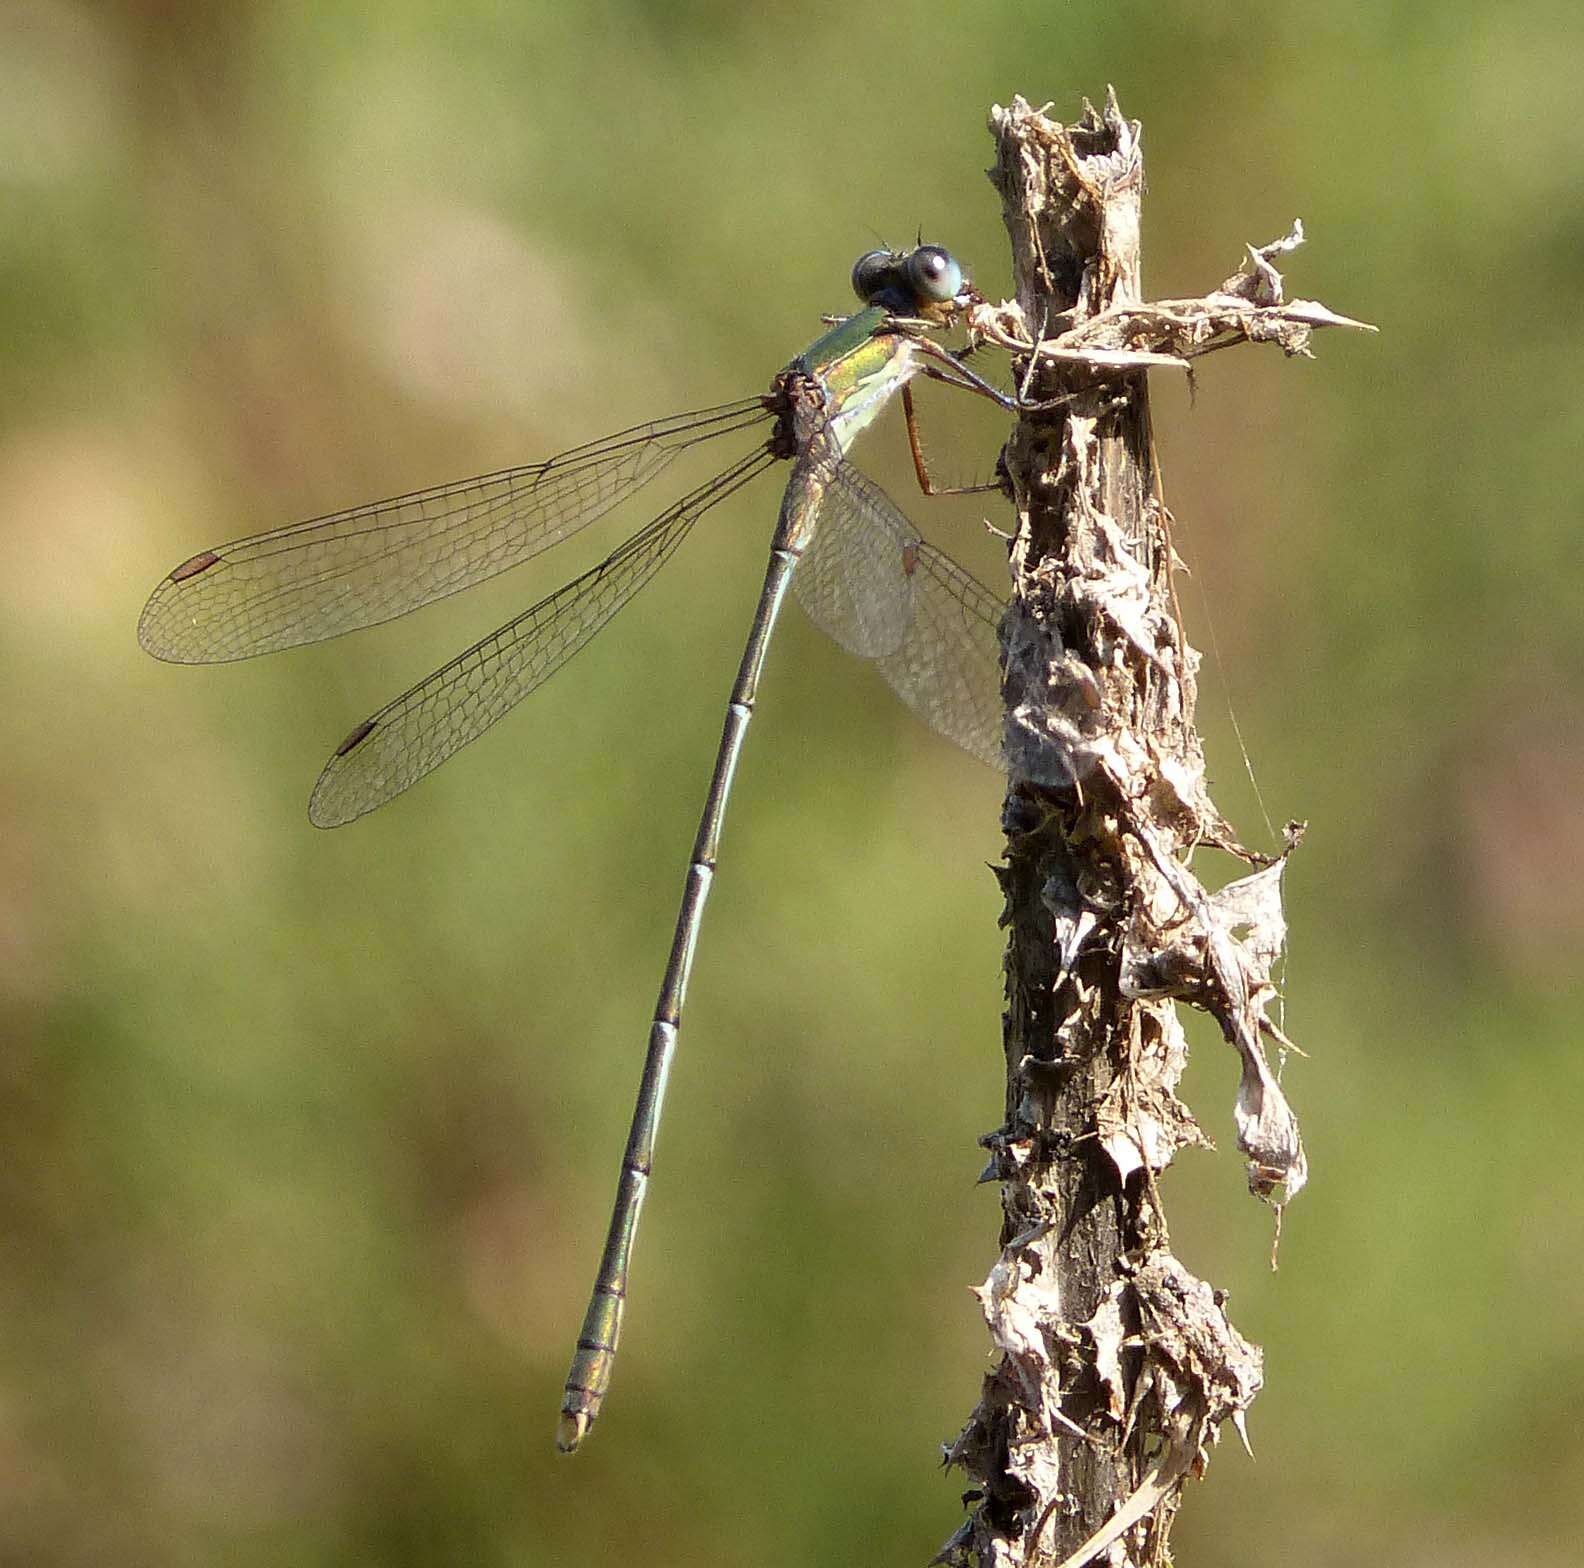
x=933, y=274
x=873, y=273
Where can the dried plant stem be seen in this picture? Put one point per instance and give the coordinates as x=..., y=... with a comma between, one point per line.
x=1116, y=1365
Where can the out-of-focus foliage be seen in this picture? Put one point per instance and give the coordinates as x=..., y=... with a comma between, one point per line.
x=308, y=1137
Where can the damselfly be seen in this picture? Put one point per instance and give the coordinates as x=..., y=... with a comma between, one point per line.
x=860, y=569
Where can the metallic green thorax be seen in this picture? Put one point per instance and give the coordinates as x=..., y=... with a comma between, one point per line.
x=829, y=393
x=860, y=363
x=849, y=334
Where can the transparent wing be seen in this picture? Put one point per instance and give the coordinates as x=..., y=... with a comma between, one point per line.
x=424, y=726
x=870, y=581
x=333, y=574
x=851, y=580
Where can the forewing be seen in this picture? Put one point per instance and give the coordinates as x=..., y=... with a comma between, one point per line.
x=851, y=580
x=333, y=574
x=424, y=726
x=931, y=629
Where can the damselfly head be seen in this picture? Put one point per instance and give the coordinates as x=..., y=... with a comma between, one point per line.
x=925, y=281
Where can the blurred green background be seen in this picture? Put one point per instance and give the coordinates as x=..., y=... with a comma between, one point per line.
x=308, y=1138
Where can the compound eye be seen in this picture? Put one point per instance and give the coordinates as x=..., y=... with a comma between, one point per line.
x=873, y=273
x=934, y=275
